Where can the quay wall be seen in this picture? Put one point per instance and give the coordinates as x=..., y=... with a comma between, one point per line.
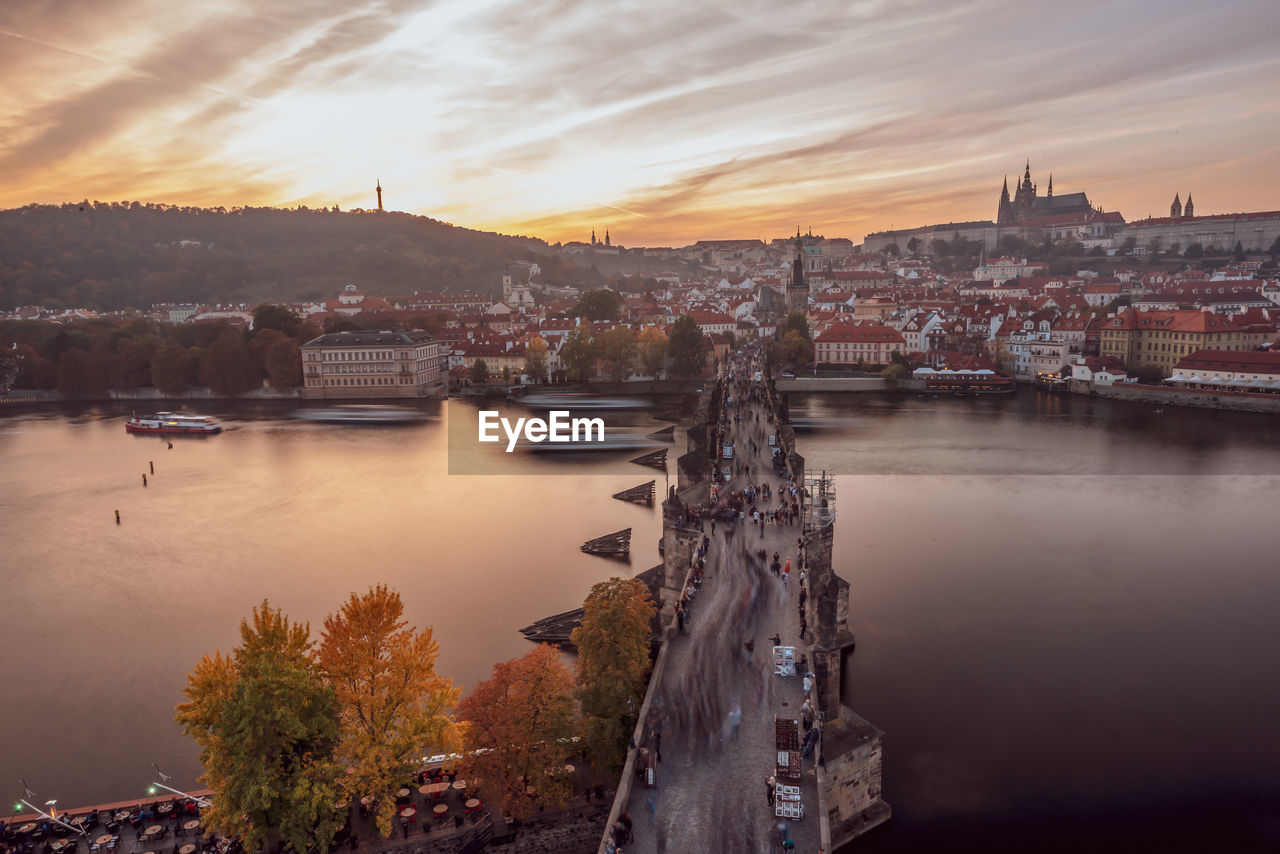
x=1138, y=393
x=820, y=384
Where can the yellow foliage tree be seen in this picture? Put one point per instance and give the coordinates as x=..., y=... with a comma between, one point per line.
x=391, y=701
x=613, y=663
x=266, y=726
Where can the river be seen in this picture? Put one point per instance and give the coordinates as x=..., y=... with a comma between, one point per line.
x=1065, y=613
x=1065, y=607
x=103, y=622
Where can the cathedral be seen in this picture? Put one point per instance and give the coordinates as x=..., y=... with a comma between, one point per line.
x=1027, y=204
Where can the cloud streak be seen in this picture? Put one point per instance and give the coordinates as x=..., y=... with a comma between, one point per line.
x=663, y=121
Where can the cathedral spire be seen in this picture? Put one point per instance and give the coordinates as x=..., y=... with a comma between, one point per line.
x=1190, y=209
x=1175, y=209
x=1051, y=185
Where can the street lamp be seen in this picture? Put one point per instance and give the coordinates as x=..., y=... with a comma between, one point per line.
x=51, y=815
x=160, y=775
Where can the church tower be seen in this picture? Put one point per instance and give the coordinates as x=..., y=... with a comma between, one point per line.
x=379, y=195
x=1190, y=209
x=593, y=237
x=797, y=288
x=606, y=237
x=507, y=285
x=1050, y=185
x=1004, y=213
x=1175, y=209
x=1025, y=196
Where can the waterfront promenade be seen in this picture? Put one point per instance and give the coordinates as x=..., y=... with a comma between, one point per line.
x=716, y=704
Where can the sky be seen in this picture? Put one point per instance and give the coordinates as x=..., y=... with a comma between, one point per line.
x=662, y=122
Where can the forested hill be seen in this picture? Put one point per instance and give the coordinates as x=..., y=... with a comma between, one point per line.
x=108, y=256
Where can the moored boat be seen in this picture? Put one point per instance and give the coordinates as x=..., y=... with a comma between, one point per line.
x=172, y=422
x=363, y=414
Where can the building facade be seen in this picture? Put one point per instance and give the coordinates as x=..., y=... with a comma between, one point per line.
x=848, y=344
x=367, y=365
x=1161, y=338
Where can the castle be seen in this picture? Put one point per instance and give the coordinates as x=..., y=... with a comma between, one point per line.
x=1027, y=204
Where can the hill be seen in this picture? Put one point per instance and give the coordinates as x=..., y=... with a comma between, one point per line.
x=115, y=255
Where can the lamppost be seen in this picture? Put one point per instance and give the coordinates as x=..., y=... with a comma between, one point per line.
x=52, y=804
x=160, y=775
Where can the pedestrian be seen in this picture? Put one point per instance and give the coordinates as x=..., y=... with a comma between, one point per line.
x=803, y=628
x=680, y=617
x=768, y=789
x=651, y=804
x=808, y=683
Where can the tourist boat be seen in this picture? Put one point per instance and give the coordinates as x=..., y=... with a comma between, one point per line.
x=362, y=414
x=173, y=422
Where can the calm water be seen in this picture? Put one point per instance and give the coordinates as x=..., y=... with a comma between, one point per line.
x=1061, y=661
x=1065, y=608
x=102, y=623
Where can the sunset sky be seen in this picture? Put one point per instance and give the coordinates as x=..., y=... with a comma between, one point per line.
x=664, y=122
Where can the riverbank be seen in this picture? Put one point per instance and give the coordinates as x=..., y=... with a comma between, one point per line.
x=1186, y=397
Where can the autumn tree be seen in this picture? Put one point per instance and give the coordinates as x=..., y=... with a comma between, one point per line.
x=514, y=724
x=686, y=346
x=266, y=725
x=579, y=354
x=168, y=369
x=277, y=317
x=617, y=346
x=391, y=701
x=228, y=367
x=535, y=359
x=600, y=304
x=479, y=372
x=284, y=364
x=82, y=374
x=613, y=664
x=653, y=350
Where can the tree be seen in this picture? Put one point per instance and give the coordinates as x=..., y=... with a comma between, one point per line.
x=617, y=346
x=1274, y=250
x=1239, y=251
x=796, y=321
x=891, y=250
x=479, y=372
x=277, y=317
x=390, y=699
x=266, y=726
x=284, y=364
x=1130, y=243
x=653, y=350
x=168, y=369
x=535, y=359
x=795, y=349
x=686, y=345
x=81, y=374
x=228, y=368
x=579, y=354
x=613, y=665
x=913, y=245
x=894, y=372
x=514, y=724
x=1194, y=250
x=600, y=304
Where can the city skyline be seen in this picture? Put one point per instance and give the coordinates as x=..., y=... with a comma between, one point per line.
x=664, y=125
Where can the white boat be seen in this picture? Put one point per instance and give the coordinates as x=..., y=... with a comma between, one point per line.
x=362, y=414
x=173, y=422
